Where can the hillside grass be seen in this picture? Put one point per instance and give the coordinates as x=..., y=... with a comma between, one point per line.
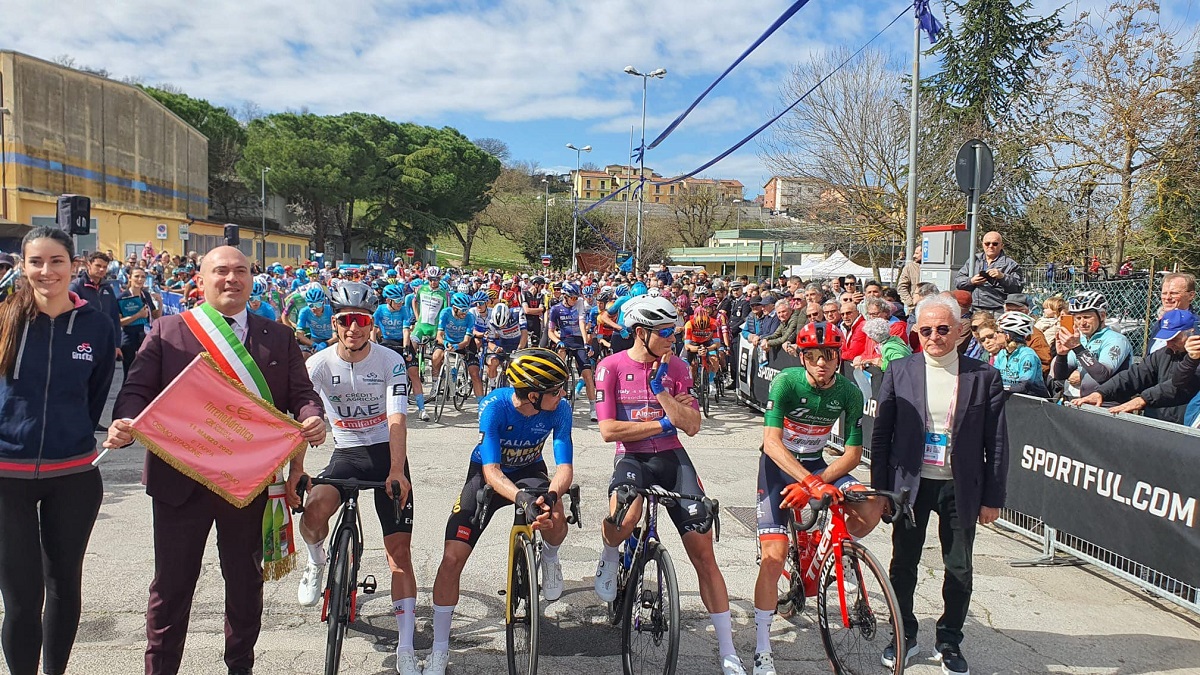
x=490, y=249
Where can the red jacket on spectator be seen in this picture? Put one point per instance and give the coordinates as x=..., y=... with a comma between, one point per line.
x=856, y=341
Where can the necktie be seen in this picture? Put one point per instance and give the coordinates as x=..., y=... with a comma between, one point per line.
x=233, y=324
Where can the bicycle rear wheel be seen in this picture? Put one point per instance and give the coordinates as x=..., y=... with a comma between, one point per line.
x=650, y=626
x=856, y=645
x=341, y=594
x=523, y=612
x=702, y=388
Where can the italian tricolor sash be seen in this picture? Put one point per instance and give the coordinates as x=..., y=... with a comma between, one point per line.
x=231, y=356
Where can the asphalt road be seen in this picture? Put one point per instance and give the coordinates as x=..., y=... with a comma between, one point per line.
x=1023, y=620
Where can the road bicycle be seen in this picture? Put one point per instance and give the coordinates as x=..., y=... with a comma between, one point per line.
x=454, y=383
x=522, y=606
x=709, y=381
x=647, y=602
x=501, y=369
x=339, y=606
x=857, y=613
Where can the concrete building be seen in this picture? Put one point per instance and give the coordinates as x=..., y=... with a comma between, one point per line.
x=64, y=131
x=783, y=192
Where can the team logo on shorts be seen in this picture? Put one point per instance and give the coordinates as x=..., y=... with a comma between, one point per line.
x=464, y=532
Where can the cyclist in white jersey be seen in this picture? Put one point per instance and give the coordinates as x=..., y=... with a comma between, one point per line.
x=364, y=387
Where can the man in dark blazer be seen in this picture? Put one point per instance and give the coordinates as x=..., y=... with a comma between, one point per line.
x=184, y=510
x=940, y=432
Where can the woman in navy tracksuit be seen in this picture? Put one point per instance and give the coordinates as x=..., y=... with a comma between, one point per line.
x=57, y=355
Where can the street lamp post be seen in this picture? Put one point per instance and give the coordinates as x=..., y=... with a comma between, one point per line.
x=637, y=249
x=575, y=204
x=263, y=201
x=546, y=223
x=3, y=159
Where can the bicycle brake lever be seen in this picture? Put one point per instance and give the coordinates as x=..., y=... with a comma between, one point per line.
x=301, y=488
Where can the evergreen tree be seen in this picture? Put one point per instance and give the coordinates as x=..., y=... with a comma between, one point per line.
x=988, y=56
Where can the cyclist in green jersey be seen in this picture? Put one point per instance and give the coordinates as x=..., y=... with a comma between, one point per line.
x=802, y=407
x=428, y=302
x=294, y=303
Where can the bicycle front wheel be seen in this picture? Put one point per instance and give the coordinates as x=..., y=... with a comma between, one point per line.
x=855, y=639
x=523, y=612
x=462, y=385
x=443, y=391
x=341, y=595
x=702, y=386
x=650, y=627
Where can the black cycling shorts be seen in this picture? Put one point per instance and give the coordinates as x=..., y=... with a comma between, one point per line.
x=772, y=517
x=409, y=353
x=470, y=353
x=459, y=526
x=671, y=470
x=373, y=463
x=620, y=344
x=580, y=354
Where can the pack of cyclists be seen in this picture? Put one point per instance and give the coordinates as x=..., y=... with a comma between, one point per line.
x=635, y=352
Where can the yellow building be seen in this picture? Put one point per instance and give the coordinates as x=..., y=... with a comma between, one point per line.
x=594, y=185
x=64, y=131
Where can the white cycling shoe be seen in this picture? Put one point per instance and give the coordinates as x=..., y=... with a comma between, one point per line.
x=764, y=664
x=732, y=665
x=406, y=664
x=552, y=580
x=606, y=580
x=310, y=588
x=436, y=663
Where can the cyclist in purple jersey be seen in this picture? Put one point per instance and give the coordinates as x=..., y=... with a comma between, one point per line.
x=642, y=402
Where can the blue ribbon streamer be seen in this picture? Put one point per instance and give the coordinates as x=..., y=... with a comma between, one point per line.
x=928, y=21
x=608, y=197
x=788, y=109
x=783, y=18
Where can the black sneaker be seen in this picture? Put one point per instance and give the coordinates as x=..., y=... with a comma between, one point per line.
x=952, y=660
x=911, y=650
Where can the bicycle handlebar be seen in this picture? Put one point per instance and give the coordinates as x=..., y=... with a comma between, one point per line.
x=626, y=494
x=901, y=503
x=351, y=485
x=483, y=496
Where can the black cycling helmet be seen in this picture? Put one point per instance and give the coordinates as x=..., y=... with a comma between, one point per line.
x=353, y=295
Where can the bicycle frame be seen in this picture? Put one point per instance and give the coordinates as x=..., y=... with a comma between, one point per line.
x=349, y=509
x=813, y=560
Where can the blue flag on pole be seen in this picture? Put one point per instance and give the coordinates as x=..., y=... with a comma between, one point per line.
x=929, y=22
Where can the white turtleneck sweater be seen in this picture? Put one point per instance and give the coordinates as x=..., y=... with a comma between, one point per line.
x=941, y=388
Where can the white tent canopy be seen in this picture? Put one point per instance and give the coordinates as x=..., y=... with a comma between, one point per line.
x=838, y=265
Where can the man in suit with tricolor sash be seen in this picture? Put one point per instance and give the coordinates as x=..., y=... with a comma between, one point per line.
x=266, y=359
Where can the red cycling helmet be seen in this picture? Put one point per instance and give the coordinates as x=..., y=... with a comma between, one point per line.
x=817, y=335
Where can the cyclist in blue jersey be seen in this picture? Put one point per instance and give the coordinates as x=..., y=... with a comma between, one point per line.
x=314, y=329
x=514, y=423
x=506, y=333
x=257, y=305
x=456, y=332
x=300, y=280
x=622, y=338
x=1090, y=353
x=1019, y=366
x=568, y=332
x=393, y=319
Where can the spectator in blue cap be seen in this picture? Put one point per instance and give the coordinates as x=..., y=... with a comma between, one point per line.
x=1150, y=385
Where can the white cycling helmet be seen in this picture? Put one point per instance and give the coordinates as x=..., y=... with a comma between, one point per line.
x=643, y=310
x=1087, y=301
x=654, y=293
x=500, y=315
x=1017, y=323
x=432, y=271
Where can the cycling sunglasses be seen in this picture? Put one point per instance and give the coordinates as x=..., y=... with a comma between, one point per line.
x=926, y=331
x=354, y=319
x=663, y=332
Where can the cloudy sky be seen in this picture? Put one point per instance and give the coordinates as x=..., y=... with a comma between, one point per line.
x=535, y=73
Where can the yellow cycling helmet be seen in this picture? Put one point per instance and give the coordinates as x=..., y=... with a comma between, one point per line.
x=537, y=369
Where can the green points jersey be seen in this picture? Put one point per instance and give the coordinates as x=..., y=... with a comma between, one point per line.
x=807, y=414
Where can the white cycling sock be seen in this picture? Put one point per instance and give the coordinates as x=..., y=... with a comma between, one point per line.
x=436, y=381
x=442, y=616
x=406, y=621
x=762, y=630
x=723, y=623
x=316, y=553
x=610, y=554
x=549, y=552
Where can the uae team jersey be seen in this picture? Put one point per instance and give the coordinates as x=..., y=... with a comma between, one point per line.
x=806, y=414
x=358, y=397
x=623, y=394
x=514, y=441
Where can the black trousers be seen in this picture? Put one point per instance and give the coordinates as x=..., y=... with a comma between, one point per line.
x=958, y=541
x=45, y=524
